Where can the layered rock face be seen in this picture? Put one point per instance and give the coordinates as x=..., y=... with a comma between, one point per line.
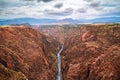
x=92, y=54
x=59, y=32
x=27, y=54
x=8, y=74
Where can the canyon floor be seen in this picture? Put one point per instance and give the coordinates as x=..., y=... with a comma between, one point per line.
x=91, y=52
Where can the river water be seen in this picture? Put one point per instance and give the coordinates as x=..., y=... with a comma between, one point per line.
x=59, y=64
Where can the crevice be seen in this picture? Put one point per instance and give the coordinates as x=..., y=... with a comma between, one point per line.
x=88, y=71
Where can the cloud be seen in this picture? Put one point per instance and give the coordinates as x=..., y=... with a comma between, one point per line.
x=66, y=12
x=59, y=5
x=3, y=4
x=44, y=0
x=109, y=5
x=1, y=11
x=82, y=10
x=58, y=8
x=113, y=14
x=26, y=0
x=94, y=4
x=38, y=0
x=88, y=0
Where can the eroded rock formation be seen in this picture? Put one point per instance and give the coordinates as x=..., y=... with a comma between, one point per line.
x=29, y=52
x=92, y=54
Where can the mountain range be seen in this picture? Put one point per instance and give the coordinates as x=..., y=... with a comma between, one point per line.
x=61, y=21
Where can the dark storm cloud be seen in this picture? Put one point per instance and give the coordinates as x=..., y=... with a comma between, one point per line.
x=59, y=5
x=66, y=12
x=82, y=10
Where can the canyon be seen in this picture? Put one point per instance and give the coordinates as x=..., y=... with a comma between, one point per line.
x=27, y=54
x=90, y=52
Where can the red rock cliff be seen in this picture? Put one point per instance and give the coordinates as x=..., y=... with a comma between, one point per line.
x=92, y=54
x=29, y=52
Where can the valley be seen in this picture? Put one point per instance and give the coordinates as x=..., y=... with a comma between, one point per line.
x=90, y=52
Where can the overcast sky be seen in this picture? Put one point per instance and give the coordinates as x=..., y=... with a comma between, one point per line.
x=59, y=9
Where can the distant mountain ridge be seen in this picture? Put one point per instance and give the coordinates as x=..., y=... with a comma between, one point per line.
x=25, y=20
x=55, y=21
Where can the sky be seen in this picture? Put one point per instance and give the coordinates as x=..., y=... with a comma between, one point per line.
x=59, y=9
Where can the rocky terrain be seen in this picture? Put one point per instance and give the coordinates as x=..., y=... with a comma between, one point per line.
x=27, y=54
x=59, y=32
x=92, y=54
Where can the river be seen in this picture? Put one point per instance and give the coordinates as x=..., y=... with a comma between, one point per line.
x=59, y=63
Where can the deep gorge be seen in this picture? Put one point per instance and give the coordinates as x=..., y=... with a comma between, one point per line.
x=91, y=52
x=59, y=63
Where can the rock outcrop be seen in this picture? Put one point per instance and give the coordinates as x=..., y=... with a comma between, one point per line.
x=26, y=53
x=7, y=74
x=59, y=32
x=92, y=54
